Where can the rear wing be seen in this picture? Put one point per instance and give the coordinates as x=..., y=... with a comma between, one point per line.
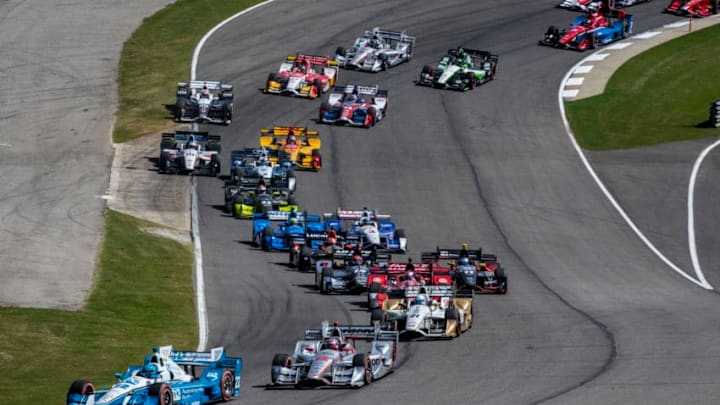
x=368, y=90
x=390, y=35
x=285, y=130
x=285, y=215
x=367, y=332
x=431, y=290
x=356, y=214
x=314, y=59
x=216, y=357
x=210, y=84
x=198, y=136
x=454, y=254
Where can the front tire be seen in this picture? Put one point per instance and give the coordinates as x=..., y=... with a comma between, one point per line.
x=227, y=385
x=362, y=360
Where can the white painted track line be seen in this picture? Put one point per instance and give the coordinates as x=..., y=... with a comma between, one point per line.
x=194, y=230
x=691, y=212
x=561, y=103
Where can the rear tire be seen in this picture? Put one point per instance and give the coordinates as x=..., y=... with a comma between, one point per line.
x=227, y=385
x=323, y=285
x=373, y=115
x=317, y=83
x=378, y=315
x=263, y=243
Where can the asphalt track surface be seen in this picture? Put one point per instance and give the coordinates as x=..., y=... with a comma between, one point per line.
x=592, y=315
x=57, y=80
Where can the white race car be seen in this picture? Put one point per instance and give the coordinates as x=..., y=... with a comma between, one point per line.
x=327, y=356
x=377, y=50
x=428, y=311
x=190, y=152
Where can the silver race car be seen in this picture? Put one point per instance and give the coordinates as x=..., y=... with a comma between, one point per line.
x=377, y=50
x=328, y=356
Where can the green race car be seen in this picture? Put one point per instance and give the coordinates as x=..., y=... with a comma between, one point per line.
x=461, y=69
x=245, y=203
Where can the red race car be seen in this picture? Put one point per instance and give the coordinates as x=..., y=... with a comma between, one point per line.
x=470, y=269
x=693, y=8
x=392, y=279
x=304, y=76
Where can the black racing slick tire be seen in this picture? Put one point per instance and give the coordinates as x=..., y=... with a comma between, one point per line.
x=263, y=243
x=163, y=392
x=373, y=116
x=426, y=70
x=375, y=288
x=323, y=285
x=82, y=387
x=501, y=278
x=340, y=51
x=378, y=315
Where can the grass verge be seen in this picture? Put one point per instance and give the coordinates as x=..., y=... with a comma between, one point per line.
x=143, y=298
x=662, y=95
x=157, y=56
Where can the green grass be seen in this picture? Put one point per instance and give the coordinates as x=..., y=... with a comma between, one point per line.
x=144, y=297
x=662, y=95
x=157, y=56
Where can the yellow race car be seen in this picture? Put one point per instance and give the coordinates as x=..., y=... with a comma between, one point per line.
x=298, y=144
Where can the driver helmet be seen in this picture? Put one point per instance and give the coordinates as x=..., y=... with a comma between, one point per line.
x=593, y=7
x=464, y=261
x=410, y=275
x=420, y=300
x=333, y=344
x=291, y=140
x=192, y=144
x=292, y=220
x=357, y=259
x=204, y=90
x=331, y=240
x=150, y=370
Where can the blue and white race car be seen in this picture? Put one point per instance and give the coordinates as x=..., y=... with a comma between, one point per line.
x=372, y=228
x=167, y=378
x=292, y=233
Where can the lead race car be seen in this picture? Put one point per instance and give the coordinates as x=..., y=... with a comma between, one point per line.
x=167, y=378
x=303, y=76
x=693, y=8
x=329, y=356
x=597, y=28
x=191, y=152
x=460, y=69
x=355, y=105
x=204, y=101
x=376, y=50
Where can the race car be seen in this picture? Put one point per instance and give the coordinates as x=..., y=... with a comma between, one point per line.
x=371, y=227
x=346, y=270
x=377, y=50
x=204, y=101
x=388, y=280
x=300, y=145
x=303, y=76
x=432, y=311
x=245, y=203
x=586, y=5
x=590, y=31
x=191, y=152
x=355, y=105
x=328, y=356
x=166, y=378
x=251, y=166
x=460, y=69
x=693, y=8
x=289, y=235
x=472, y=269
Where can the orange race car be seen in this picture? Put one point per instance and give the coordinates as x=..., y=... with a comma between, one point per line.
x=300, y=145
